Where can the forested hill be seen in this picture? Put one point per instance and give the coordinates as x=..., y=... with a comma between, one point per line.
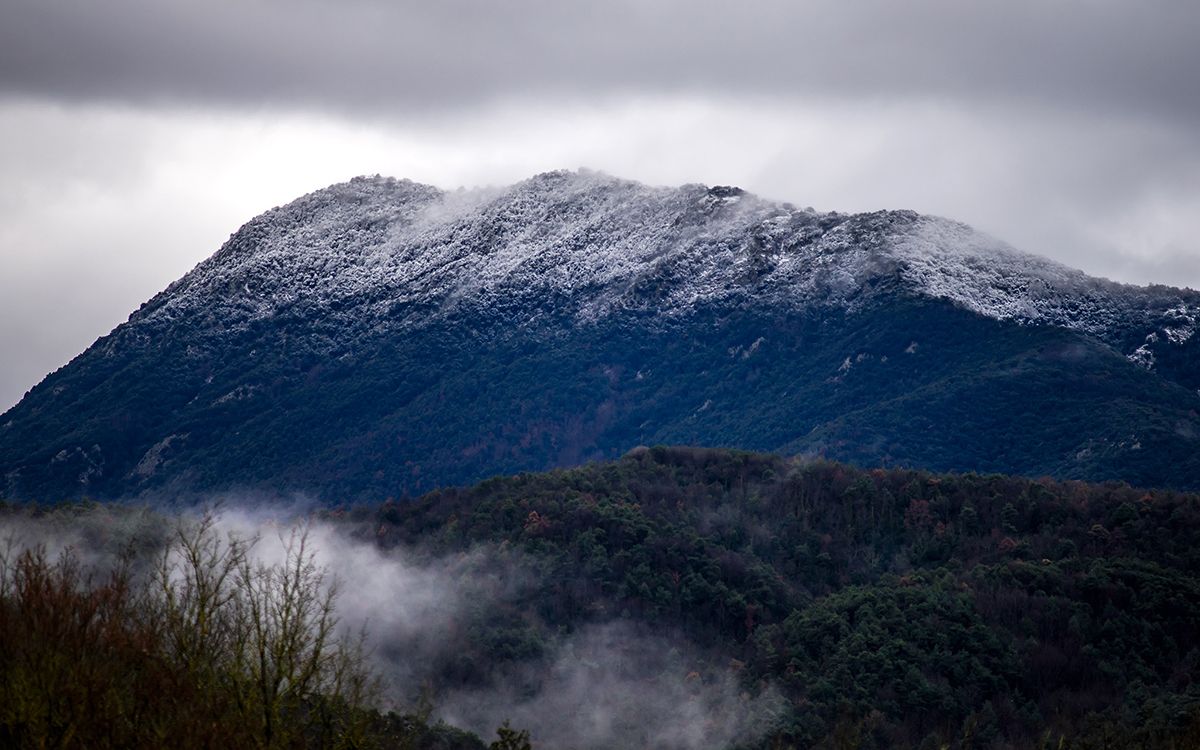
x=380, y=337
x=680, y=598
x=890, y=608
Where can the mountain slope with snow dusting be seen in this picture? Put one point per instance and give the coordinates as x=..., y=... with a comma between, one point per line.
x=380, y=337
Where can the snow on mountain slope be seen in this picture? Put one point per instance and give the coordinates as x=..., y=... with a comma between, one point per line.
x=396, y=254
x=948, y=259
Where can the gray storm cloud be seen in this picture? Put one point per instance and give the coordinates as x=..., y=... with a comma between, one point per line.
x=1101, y=56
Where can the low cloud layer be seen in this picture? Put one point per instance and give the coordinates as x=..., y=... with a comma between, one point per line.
x=608, y=684
x=616, y=685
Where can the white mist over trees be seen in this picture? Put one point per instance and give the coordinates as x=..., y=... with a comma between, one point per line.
x=265, y=634
x=250, y=653
x=289, y=632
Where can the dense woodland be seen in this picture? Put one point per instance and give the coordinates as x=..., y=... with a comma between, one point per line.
x=913, y=383
x=886, y=608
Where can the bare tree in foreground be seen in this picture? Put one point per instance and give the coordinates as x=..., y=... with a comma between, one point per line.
x=263, y=637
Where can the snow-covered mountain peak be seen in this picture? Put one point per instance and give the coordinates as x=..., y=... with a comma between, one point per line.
x=588, y=245
x=385, y=336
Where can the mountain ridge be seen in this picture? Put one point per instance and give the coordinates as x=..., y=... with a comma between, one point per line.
x=390, y=291
x=930, y=259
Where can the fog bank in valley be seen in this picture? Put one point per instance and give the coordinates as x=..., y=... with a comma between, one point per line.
x=611, y=683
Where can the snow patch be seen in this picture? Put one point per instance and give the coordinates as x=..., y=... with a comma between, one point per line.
x=1142, y=357
x=753, y=348
x=241, y=393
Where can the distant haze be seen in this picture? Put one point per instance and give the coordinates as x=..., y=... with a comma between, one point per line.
x=136, y=135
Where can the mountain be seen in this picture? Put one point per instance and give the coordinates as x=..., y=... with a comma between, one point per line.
x=381, y=337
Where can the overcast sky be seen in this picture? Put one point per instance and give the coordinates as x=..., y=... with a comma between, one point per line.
x=136, y=135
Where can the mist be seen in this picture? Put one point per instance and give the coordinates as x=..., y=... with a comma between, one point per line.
x=610, y=683
x=618, y=684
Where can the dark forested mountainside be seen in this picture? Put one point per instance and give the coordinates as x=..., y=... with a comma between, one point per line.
x=834, y=607
x=890, y=608
x=381, y=338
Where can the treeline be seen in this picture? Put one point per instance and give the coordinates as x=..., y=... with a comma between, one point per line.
x=203, y=648
x=894, y=608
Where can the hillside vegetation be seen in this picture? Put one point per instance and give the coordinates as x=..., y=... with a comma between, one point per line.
x=852, y=608
x=891, y=608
